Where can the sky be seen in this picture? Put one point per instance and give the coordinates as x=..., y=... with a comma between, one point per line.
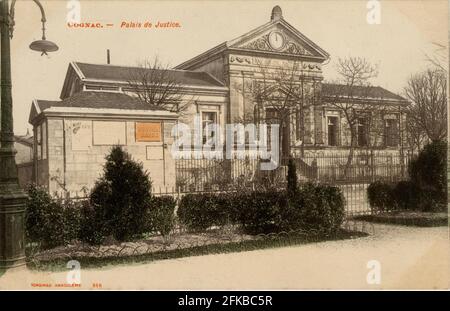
x=398, y=44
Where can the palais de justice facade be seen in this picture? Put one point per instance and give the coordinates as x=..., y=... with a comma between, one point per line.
x=97, y=109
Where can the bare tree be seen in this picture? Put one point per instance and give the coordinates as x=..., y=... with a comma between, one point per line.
x=283, y=92
x=439, y=58
x=414, y=133
x=350, y=95
x=428, y=92
x=156, y=85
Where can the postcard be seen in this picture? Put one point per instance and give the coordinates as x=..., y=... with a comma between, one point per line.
x=224, y=145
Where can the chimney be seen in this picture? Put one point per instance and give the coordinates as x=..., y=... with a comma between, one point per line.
x=277, y=14
x=108, y=57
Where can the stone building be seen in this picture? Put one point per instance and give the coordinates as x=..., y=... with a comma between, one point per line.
x=276, y=48
x=97, y=109
x=72, y=136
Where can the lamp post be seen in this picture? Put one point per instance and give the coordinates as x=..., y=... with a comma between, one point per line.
x=12, y=197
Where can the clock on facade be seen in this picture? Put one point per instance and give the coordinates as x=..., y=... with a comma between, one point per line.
x=276, y=40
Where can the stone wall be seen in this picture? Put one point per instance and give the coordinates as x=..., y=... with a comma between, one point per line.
x=75, y=158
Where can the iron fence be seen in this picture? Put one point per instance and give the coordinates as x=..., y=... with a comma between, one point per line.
x=352, y=176
x=215, y=176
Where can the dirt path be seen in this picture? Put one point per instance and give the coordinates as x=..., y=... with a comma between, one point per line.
x=409, y=258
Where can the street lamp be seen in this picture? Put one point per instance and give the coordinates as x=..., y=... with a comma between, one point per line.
x=12, y=197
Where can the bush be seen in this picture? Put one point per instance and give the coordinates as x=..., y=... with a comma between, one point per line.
x=427, y=189
x=199, y=212
x=161, y=215
x=93, y=230
x=381, y=196
x=407, y=195
x=322, y=207
x=291, y=177
x=261, y=212
x=429, y=173
x=50, y=222
x=311, y=206
x=121, y=197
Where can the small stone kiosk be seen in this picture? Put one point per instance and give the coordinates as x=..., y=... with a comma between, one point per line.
x=73, y=136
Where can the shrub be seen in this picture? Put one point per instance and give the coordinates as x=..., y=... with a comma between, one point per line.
x=407, y=195
x=199, y=212
x=322, y=207
x=291, y=177
x=319, y=207
x=161, y=215
x=429, y=172
x=261, y=212
x=121, y=197
x=93, y=230
x=50, y=222
x=427, y=189
x=381, y=196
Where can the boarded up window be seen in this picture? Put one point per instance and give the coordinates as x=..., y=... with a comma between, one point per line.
x=155, y=153
x=109, y=133
x=81, y=132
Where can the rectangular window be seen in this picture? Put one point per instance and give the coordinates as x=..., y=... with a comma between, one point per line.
x=391, y=133
x=208, y=117
x=362, y=132
x=333, y=131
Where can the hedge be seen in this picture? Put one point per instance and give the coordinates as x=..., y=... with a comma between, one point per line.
x=199, y=212
x=381, y=196
x=51, y=222
x=161, y=215
x=425, y=191
x=312, y=206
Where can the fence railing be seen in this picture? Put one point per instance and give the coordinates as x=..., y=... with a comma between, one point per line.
x=213, y=175
x=351, y=176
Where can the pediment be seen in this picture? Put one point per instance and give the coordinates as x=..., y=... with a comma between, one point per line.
x=294, y=43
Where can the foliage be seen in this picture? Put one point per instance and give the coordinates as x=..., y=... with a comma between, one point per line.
x=121, y=196
x=161, y=215
x=201, y=211
x=406, y=195
x=322, y=207
x=260, y=212
x=429, y=170
x=92, y=229
x=427, y=189
x=381, y=196
x=50, y=222
x=291, y=177
x=312, y=206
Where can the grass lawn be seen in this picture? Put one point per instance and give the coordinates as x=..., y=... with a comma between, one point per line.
x=408, y=218
x=258, y=242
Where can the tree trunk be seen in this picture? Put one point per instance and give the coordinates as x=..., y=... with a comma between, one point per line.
x=351, y=152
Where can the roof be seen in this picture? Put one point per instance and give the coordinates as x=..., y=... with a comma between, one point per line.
x=97, y=102
x=101, y=100
x=124, y=73
x=24, y=139
x=322, y=55
x=374, y=92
